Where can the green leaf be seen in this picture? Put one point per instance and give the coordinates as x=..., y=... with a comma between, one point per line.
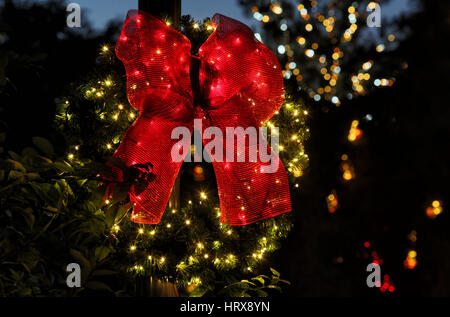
x=110, y=215
x=275, y=287
x=64, y=167
x=29, y=217
x=102, y=252
x=13, y=175
x=83, y=261
x=120, y=192
x=122, y=212
x=198, y=292
x=259, y=279
x=284, y=281
x=98, y=286
x=14, y=155
x=15, y=165
x=44, y=146
x=261, y=293
x=248, y=282
x=275, y=272
x=32, y=176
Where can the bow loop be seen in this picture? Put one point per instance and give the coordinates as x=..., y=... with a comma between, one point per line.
x=235, y=65
x=157, y=61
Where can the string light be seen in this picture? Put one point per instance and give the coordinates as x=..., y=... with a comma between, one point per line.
x=434, y=210
x=410, y=261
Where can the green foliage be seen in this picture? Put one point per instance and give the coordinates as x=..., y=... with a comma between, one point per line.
x=51, y=215
x=259, y=286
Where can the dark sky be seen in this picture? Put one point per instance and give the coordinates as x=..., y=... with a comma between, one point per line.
x=100, y=11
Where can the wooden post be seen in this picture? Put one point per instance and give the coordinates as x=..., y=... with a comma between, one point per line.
x=147, y=286
x=172, y=10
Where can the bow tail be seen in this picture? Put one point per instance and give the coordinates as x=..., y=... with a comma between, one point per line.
x=250, y=191
x=148, y=140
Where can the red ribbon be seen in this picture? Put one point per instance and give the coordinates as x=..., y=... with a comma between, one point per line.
x=239, y=84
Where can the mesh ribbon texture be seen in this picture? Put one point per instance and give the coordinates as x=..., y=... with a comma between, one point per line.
x=236, y=82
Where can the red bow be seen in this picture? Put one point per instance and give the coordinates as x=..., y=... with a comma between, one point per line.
x=239, y=84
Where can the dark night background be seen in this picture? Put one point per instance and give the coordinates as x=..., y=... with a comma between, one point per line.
x=401, y=162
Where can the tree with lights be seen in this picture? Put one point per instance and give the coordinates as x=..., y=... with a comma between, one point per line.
x=320, y=42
